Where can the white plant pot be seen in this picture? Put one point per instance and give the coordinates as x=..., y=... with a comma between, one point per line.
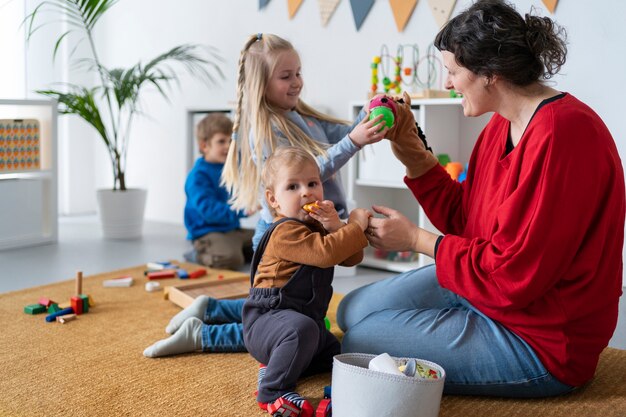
x=122, y=212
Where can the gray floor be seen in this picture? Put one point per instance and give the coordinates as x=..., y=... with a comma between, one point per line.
x=81, y=248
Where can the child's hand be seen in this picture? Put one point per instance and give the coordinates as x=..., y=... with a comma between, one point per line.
x=325, y=213
x=361, y=217
x=368, y=131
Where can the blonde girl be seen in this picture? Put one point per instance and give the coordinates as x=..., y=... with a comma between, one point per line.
x=270, y=113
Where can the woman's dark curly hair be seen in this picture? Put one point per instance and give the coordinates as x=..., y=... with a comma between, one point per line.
x=492, y=38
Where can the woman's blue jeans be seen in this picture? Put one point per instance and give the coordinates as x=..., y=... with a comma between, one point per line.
x=411, y=315
x=222, y=330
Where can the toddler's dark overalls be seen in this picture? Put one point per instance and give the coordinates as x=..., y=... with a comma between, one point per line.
x=284, y=327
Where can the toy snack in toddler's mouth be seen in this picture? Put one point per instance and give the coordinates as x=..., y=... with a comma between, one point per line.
x=310, y=206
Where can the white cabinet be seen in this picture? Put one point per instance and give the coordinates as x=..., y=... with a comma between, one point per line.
x=28, y=190
x=375, y=176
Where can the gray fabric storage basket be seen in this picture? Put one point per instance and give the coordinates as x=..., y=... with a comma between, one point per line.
x=359, y=391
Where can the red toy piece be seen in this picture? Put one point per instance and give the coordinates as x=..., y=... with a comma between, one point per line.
x=161, y=274
x=77, y=305
x=45, y=301
x=197, y=273
x=324, y=409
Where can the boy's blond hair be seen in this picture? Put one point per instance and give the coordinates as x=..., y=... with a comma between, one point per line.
x=254, y=115
x=212, y=124
x=283, y=156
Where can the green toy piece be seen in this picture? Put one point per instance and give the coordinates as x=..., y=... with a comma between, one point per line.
x=388, y=118
x=34, y=309
x=327, y=323
x=53, y=308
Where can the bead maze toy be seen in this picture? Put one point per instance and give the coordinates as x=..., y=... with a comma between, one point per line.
x=416, y=73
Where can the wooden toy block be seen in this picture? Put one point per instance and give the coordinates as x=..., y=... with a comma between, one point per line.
x=152, y=286
x=92, y=303
x=184, y=294
x=182, y=274
x=34, y=309
x=65, y=305
x=85, y=299
x=52, y=317
x=45, y=301
x=79, y=283
x=154, y=266
x=197, y=273
x=53, y=308
x=77, y=305
x=65, y=318
x=118, y=282
x=162, y=274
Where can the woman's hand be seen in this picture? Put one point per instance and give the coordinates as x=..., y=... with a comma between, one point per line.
x=368, y=131
x=396, y=232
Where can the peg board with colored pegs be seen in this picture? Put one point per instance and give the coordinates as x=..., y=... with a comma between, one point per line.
x=19, y=145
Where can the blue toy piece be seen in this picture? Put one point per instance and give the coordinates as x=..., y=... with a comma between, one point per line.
x=52, y=317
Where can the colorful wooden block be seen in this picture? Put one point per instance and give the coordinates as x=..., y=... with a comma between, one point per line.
x=52, y=317
x=162, y=274
x=197, y=273
x=45, y=301
x=77, y=305
x=65, y=318
x=53, y=308
x=85, y=299
x=34, y=309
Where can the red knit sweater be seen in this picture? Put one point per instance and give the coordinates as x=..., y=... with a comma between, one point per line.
x=534, y=238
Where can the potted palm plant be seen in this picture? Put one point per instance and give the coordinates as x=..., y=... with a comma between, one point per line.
x=112, y=103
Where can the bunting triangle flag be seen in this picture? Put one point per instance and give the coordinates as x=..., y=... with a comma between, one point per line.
x=360, y=10
x=327, y=8
x=441, y=10
x=263, y=3
x=550, y=4
x=402, y=11
x=293, y=6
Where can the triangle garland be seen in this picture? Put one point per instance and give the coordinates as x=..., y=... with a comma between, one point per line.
x=263, y=3
x=293, y=6
x=360, y=10
x=550, y=4
x=327, y=8
x=441, y=10
x=402, y=11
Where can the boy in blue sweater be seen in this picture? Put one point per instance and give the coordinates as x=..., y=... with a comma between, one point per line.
x=212, y=225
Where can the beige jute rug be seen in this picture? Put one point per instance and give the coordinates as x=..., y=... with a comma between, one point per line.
x=94, y=366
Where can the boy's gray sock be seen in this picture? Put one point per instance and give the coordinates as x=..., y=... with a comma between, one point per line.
x=188, y=338
x=195, y=309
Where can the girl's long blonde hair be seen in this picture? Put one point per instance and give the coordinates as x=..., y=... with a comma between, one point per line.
x=254, y=115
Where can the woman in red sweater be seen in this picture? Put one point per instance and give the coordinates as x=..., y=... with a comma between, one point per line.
x=523, y=296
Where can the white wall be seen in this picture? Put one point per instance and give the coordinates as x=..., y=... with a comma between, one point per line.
x=336, y=70
x=335, y=67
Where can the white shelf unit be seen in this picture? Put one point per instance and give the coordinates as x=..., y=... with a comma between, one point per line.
x=28, y=201
x=375, y=176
